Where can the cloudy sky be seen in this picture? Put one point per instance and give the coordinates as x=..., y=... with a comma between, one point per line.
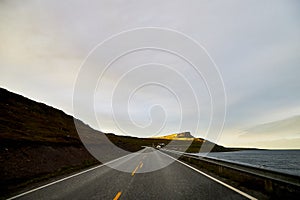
x=255, y=45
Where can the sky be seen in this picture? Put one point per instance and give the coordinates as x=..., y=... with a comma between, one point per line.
x=254, y=44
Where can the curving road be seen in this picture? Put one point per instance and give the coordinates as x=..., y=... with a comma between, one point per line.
x=176, y=181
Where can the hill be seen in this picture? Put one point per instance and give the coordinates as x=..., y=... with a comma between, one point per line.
x=177, y=136
x=38, y=142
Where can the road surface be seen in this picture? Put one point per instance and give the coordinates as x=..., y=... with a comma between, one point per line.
x=176, y=181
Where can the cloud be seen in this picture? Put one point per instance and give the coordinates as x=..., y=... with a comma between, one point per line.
x=285, y=130
x=288, y=126
x=275, y=144
x=255, y=44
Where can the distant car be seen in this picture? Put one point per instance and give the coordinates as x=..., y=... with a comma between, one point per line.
x=158, y=146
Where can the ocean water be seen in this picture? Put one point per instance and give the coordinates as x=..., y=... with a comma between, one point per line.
x=286, y=161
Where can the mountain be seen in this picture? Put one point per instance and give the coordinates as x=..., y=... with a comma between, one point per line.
x=177, y=136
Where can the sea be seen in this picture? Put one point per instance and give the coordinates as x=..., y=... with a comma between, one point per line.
x=285, y=161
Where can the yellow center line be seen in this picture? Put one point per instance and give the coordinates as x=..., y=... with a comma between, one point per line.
x=117, y=196
x=137, y=167
x=132, y=174
x=141, y=165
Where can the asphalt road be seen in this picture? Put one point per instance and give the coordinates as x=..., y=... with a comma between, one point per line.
x=176, y=181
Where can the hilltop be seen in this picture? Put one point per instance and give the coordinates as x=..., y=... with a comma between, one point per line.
x=177, y=136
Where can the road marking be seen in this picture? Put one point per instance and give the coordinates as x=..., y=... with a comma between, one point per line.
x=63, y=179
x=137, y=167
x=133, y=172
x=117, y=196
x=214, y=179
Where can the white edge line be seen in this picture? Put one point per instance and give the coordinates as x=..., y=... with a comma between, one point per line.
x=63, y=179
x=214, y=179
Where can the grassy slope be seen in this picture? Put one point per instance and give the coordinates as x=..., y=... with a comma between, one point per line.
x=36, y=141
